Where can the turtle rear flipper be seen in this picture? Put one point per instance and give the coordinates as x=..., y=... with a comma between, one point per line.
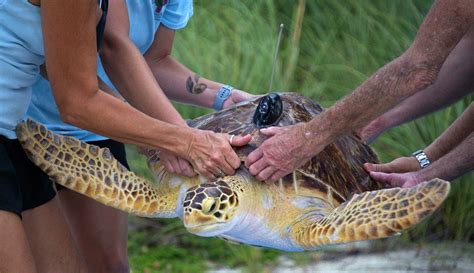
x=372, y=215
x=92, y=171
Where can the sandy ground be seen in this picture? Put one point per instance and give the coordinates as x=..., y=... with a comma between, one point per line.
x=446, y=257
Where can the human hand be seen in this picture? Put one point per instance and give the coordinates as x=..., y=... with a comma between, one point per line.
x=279, y=155
x=176, y=164
x=404, y=180
x=237, y=97
x=211, y=153
x=171, y=162
x=399, y=165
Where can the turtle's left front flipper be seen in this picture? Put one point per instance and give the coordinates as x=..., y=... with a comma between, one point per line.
x=371, y=215
x=93, y=171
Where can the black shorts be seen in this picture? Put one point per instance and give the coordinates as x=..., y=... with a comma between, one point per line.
x=24, y=186
x=20, y=189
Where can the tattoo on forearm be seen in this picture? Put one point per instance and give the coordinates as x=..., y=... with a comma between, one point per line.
x=193, y=86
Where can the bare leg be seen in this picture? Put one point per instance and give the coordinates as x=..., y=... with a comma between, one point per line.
x=50, y=239
x=100, y=232
x=15, y=253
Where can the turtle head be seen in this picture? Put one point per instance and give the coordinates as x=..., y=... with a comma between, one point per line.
x=210, y=208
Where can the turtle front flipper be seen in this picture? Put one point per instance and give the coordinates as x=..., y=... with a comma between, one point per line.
x=371, y=215
x=92, y=171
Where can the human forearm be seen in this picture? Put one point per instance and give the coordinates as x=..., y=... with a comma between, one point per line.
x=454, y=81
x=457, y=162
x=180, y=83
x=183, y=85
x=416, y=69
x=451, y=137
x=461, y=128
x=109, y=116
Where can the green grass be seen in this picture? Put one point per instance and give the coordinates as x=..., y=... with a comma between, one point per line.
x=328, y=49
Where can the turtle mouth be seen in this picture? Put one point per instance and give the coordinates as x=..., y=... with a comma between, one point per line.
x=206, y=230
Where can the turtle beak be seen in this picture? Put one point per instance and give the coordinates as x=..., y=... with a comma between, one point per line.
x=202, y=225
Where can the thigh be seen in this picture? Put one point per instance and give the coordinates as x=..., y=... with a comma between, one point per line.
x=100, y=231
x=15, y=253
x=48, y=234
x=51, y=241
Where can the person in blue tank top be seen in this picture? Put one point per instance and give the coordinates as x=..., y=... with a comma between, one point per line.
x=151, y=30
x=63, y=35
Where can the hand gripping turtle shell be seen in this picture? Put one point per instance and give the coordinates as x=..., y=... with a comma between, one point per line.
x=329, y=200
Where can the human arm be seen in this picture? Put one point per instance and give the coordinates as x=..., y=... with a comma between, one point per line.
x=180, y=83
x=461, y=128
x=136, y=83
x=454, y=81
x=71, y=58
x=102, y=85
x=457, y=162
x=414, y=70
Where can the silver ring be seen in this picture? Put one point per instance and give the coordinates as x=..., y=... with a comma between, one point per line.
x=231, y=138
x=221, y=173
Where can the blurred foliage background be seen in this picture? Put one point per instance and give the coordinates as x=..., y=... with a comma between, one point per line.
x=328, y=49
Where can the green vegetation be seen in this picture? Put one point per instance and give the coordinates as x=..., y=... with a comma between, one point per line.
x=328, y=49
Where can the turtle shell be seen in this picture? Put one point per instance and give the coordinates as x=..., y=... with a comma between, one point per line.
x=338, y=168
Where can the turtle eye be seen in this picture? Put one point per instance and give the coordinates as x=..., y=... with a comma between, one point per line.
x=209, y=205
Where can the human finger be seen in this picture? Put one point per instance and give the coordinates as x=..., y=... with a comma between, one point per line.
x=225, y=169
x=168, y=166
x=206, y=173
x=270, y=131
x=186, y=168
x=230, y=163
x=220, y=172
x=386, y=168
x=265, y=174
x=277, y=176
x=237, y=140
x=224, y=163
x=409, y=184
x=173, y=161
x=386, y=178
x=253, y=157
x=200, y=168
x=258, y=166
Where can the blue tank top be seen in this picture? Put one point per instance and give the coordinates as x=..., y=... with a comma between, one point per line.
x=21, y=53
x=145, y=18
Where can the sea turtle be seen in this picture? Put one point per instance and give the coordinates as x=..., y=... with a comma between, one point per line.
x=329, y=200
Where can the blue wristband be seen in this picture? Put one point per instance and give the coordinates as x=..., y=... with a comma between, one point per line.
x=222, y=95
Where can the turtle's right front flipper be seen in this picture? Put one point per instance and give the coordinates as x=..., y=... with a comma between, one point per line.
x=371, y=215
x=92, y=171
